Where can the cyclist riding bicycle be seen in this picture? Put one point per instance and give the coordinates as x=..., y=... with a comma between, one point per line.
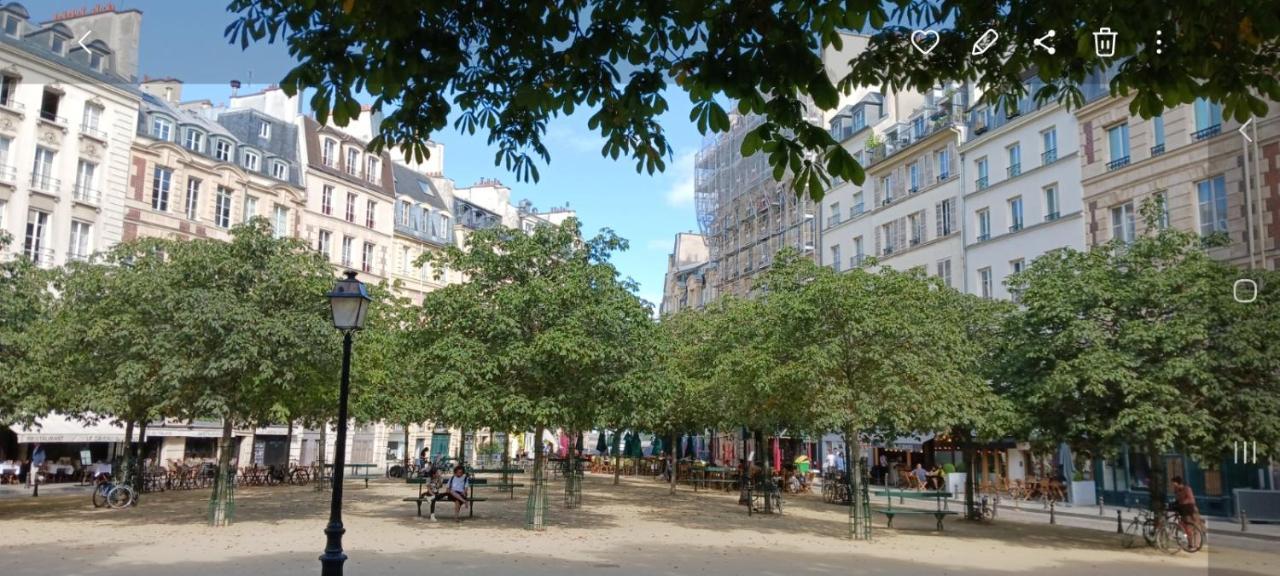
x=1184, y=503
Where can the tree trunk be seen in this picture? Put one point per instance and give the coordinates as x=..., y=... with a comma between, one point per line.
x=768, y=475
x=616, y=447
x=537, y=493
x=220, y=500
x=675, y=446
x=506, y=461
x=405, y=467
x=1159, y=479
x=857, y=529
x=288, y=449
x=970, y=511
x=127, y=458
x=139, y=466
x=324, y=437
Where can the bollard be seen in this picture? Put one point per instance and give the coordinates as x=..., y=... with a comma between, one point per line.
x=1119, y=523
x=1100, y=511
x=1052, y=518
x=1244, y=521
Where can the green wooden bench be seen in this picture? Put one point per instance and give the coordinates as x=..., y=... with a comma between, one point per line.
x=889, y=513
x=424, y=496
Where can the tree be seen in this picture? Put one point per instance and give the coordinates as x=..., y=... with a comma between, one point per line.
x=511, y=67
x=1146, y=345
x=253, y=321
x=25, y=301
x=387, y=387
x=540, y=329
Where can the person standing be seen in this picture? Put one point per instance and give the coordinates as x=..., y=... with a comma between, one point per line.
x=37, y=462
x=1184, y=500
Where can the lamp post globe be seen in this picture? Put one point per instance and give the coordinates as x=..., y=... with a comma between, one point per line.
x=348, y=304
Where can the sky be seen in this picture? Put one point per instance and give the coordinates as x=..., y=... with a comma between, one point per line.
x=185, y=40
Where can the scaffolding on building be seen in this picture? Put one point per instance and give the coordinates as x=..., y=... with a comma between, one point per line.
x=745, y=214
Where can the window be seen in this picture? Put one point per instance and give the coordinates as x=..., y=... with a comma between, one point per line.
x=49, y=105
x=982, y=173
x=1163, y=198
x=33, y=244
x=405, y=208
x=92, y=118
x=322, y=242
x=251, y=160
x=405, y=261
x=1015, y=160
x=886, y=185
x=1049, y=139
x=373, y=173
x=984, y=282
x=1213, y=205
x=280, y=221
x=859, y=119
x=366, y=258
x=95, y=61
x=2, y=208
x=279, y=170
x=222, y=208
x=351, y=207
x=832, y=220
x=4, y=157
x=944, y=271
x=250, y=207
x=11, y=26
x=353, y=160
x=326, y=201
x=946, y=217
x=193, y=198
x=914, y=173
x=984, y=224
x=347, y=241
x=1123, y=226
x=1015, y=213
x=8, y=87
x=57, y=44
x=160, y=181
x=81, y=232
x=1208, y=116
x=222, y=151
x=858, y=254
x=86, y=173
x=917, y=127
x=1118, y=140
x=370, y=208
x=942, y=161
x=328, y=152
x=1051, y=203
x=835, y=257
x=1016, y=266
x=161, y=128
x=858, y=206
x=916, y=223
x=42, y=169
x=1157, y=135
x=264, y=130
x=194, y=140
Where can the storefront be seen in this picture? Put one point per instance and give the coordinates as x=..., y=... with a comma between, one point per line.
x=1125, y=479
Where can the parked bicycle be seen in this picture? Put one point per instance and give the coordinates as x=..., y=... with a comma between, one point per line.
x=1167, y=535
x=114, y=494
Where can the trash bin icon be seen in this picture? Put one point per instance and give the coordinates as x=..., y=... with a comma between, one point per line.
x=1104, y=42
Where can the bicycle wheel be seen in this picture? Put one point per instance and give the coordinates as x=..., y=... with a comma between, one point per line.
x=120, y=496
x=100, y=495
x=1198, y=537
x=395, y=471
x=1149, y=531
x=1131, y=534
x=1170, y=538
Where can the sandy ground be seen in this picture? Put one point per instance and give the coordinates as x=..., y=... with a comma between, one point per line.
x=630, y=529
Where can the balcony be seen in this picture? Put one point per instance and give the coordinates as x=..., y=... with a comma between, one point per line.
x=981, y=183
x=944, y=176
x=1016, y=227
x=887, y=201
x=1157, y=150
x=833, y=220
x=43, y=257
x=1014, y=169
x=86, y=194
x=887, y=250
x=1050, y=217
x=1209, y=132
x=916, y=241
x=983, y=237
x=913, y=190
x=73, y=256
x=53, y=118
x=8, y=175
x=857, y=210
x=44, y=184
x=1049, y=156
x=93, y=132
x=1118, y=163
x=857, y=261
x=12, y=105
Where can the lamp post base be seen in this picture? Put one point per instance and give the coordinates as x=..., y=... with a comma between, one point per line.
x=333, y=558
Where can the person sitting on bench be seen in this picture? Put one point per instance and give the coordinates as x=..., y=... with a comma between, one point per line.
x=454, y=491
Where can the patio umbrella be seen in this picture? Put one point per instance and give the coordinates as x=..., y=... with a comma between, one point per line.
x=688, y=447
x=602, y=445
x=637, y=449
x=656, y=446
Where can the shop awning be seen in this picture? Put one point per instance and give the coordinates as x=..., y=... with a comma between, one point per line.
x=57, y=428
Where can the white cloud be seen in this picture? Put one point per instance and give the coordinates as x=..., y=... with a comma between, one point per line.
x=680, y=192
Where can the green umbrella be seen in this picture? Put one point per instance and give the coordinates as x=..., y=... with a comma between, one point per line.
x=602, y=445
x=635, y=450
x=613, y=443
x=657, y=445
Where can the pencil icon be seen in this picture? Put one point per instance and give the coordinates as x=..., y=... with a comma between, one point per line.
x=985, y=42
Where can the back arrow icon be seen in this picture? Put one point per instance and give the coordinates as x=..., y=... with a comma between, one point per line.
x=1242, y=132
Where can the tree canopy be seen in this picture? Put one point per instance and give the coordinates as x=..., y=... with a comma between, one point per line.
x=25, y=302
x=508, y=68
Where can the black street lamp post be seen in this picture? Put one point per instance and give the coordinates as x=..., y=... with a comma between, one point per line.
x=349, y=302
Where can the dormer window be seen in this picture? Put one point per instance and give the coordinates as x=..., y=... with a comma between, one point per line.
x=374, y=172
x=280, y=170
x=161, y=129
x=222, y=150
x=328, y=155
x=251, y=160
x=194, y=140
x=58, y=45
x=11, y=25
x=95, y=61
x=353, y=161
x=264, y=130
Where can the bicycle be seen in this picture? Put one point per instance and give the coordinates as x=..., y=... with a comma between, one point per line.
x=987, y=508
x=1168, y=536
x=113, y=494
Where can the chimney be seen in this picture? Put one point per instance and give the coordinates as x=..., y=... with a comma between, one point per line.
x=235, y=87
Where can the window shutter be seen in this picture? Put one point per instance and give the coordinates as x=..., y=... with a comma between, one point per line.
x=901, y=233
x=953, y=158
x=937, y=217
x=926, y=170
x=878, y=247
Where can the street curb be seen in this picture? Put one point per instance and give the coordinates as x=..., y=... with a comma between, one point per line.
x=1060, y=512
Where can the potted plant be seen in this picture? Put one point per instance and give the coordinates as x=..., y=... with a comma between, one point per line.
x=955, y=477
x=1083, y=492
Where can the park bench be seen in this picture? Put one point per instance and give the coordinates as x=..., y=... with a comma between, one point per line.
x=889, y=513
x=424, y=496
x=939, y=513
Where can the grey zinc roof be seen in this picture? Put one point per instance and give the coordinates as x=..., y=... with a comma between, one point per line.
x=283, y=143
x=418, y=187
x=33, y=39
x=152, y=104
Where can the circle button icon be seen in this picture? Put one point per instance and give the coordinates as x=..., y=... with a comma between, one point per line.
x=1244, y=291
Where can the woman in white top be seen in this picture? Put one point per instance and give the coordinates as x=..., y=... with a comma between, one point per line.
x=455, y=490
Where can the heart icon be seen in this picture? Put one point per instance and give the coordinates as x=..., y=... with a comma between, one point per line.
x=924, y=41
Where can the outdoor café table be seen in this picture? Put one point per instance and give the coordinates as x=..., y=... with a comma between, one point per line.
x=355, y=472
x=54, y=469
x=6, y=467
